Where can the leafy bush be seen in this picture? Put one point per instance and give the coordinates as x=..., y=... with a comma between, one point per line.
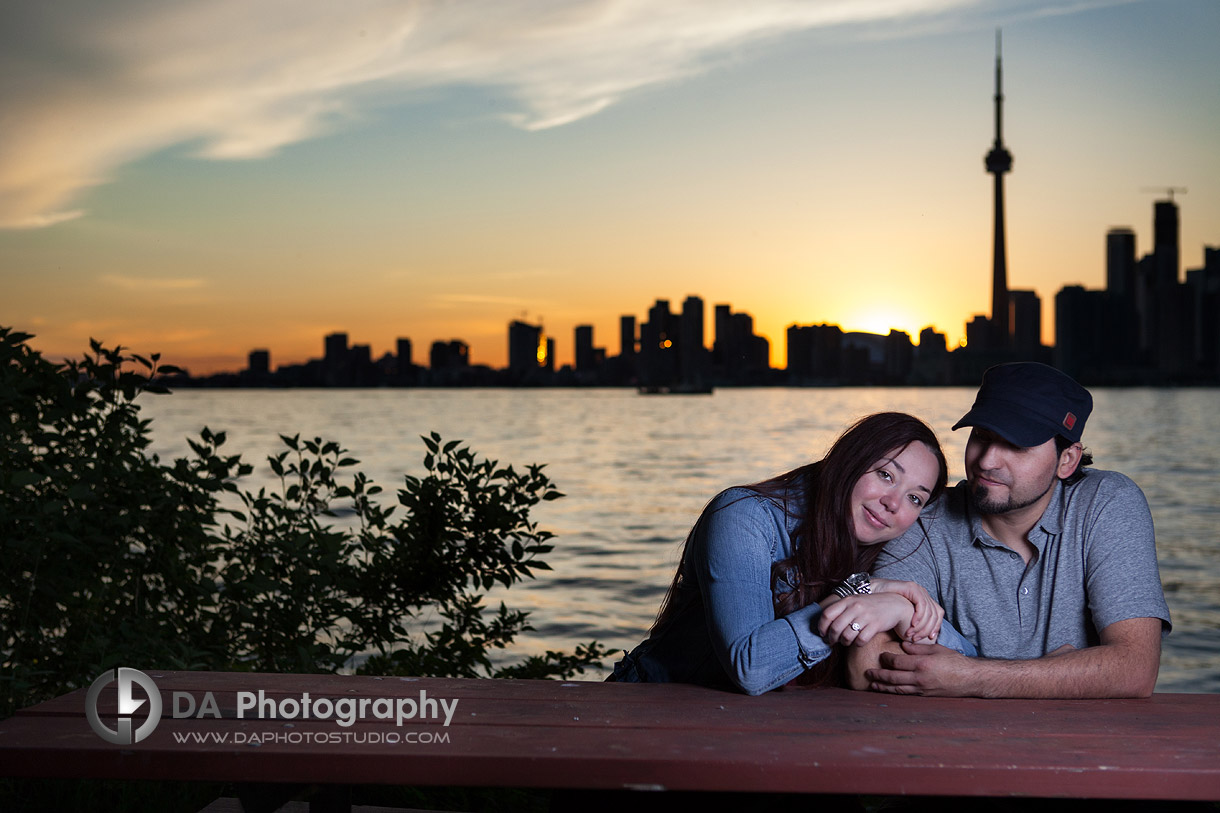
x=112, y=557
x=98, y=539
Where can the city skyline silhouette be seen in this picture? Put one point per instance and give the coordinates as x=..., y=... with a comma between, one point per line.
x=567, y=169
x=1148, y=325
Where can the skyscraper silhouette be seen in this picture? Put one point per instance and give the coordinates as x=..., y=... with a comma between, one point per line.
x=693, y=360
x=528, y=351
x=585, y=352
x=998, y=162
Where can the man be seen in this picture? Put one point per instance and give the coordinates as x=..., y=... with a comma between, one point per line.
x=1048, y=568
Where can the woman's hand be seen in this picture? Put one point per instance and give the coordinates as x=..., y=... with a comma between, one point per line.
x=856, y=619
x=924, y=624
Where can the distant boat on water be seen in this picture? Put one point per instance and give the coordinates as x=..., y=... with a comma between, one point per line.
x=676, y=389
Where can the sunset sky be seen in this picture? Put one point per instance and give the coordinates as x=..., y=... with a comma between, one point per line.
x=206, y=177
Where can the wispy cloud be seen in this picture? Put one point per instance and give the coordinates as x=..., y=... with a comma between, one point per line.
x=87, y=86
x=41, y=221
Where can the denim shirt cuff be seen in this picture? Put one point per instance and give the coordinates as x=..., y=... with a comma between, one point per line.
x=951, y=638
x=812, y=648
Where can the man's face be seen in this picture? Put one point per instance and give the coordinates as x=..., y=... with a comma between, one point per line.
x=1003, y=477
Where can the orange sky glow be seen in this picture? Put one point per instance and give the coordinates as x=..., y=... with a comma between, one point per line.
x=204, y=179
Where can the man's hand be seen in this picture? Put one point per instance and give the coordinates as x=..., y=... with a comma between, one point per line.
x=924, y=627
x=1124, y=664
x=927, y=669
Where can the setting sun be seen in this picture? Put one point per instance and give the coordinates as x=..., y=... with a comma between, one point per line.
x=881, y=321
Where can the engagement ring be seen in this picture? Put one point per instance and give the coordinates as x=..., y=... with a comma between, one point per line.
x=855, y=625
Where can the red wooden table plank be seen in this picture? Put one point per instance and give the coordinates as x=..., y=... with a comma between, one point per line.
x=855, y=762
x=674, y=705
x=595, y=735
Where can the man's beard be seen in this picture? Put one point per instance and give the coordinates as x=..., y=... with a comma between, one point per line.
x=984, y=504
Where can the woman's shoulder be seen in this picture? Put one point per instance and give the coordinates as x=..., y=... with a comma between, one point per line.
x=746, y=499
x=751, y=506
x=785, y=493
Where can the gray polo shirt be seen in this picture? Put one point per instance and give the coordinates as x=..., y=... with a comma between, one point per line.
x=1095, y=564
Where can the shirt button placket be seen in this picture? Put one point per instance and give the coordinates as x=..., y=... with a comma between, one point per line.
x=1022, y=592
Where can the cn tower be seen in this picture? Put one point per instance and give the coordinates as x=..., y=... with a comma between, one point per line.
x=999, y=161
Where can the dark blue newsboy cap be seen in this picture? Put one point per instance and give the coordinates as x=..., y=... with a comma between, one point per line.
x=1027, y=404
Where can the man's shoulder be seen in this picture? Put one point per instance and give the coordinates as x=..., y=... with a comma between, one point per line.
x=1098, y=484
x=1100, y=480
x=1101, y=492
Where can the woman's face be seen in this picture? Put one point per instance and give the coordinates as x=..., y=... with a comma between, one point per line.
x=890, y=495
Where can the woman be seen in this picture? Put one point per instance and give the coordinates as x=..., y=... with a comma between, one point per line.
x=773, y=575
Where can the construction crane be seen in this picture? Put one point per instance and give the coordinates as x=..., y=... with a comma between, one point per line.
x=1169, y=189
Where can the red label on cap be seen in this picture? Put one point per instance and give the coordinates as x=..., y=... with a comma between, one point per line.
x=1069, y=421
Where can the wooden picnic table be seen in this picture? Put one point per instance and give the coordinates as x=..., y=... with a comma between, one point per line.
x=573, y=734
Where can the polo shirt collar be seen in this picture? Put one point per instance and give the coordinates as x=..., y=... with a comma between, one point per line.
x=1051, y=520
x=1052, y=517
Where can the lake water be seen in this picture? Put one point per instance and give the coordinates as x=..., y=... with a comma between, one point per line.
x=637, y=470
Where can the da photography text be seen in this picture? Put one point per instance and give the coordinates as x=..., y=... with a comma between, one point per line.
x=137, y=716
x=345, y=711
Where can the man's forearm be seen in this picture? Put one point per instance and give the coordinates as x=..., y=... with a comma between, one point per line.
x=1100, y=671
x=864, y=657
x=1125, y=664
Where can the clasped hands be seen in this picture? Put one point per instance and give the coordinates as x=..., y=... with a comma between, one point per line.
x=900, y=606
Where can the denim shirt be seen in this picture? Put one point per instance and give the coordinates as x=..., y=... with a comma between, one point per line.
x=723, y=632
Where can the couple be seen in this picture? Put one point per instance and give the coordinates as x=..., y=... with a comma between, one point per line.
x=1032, y=578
